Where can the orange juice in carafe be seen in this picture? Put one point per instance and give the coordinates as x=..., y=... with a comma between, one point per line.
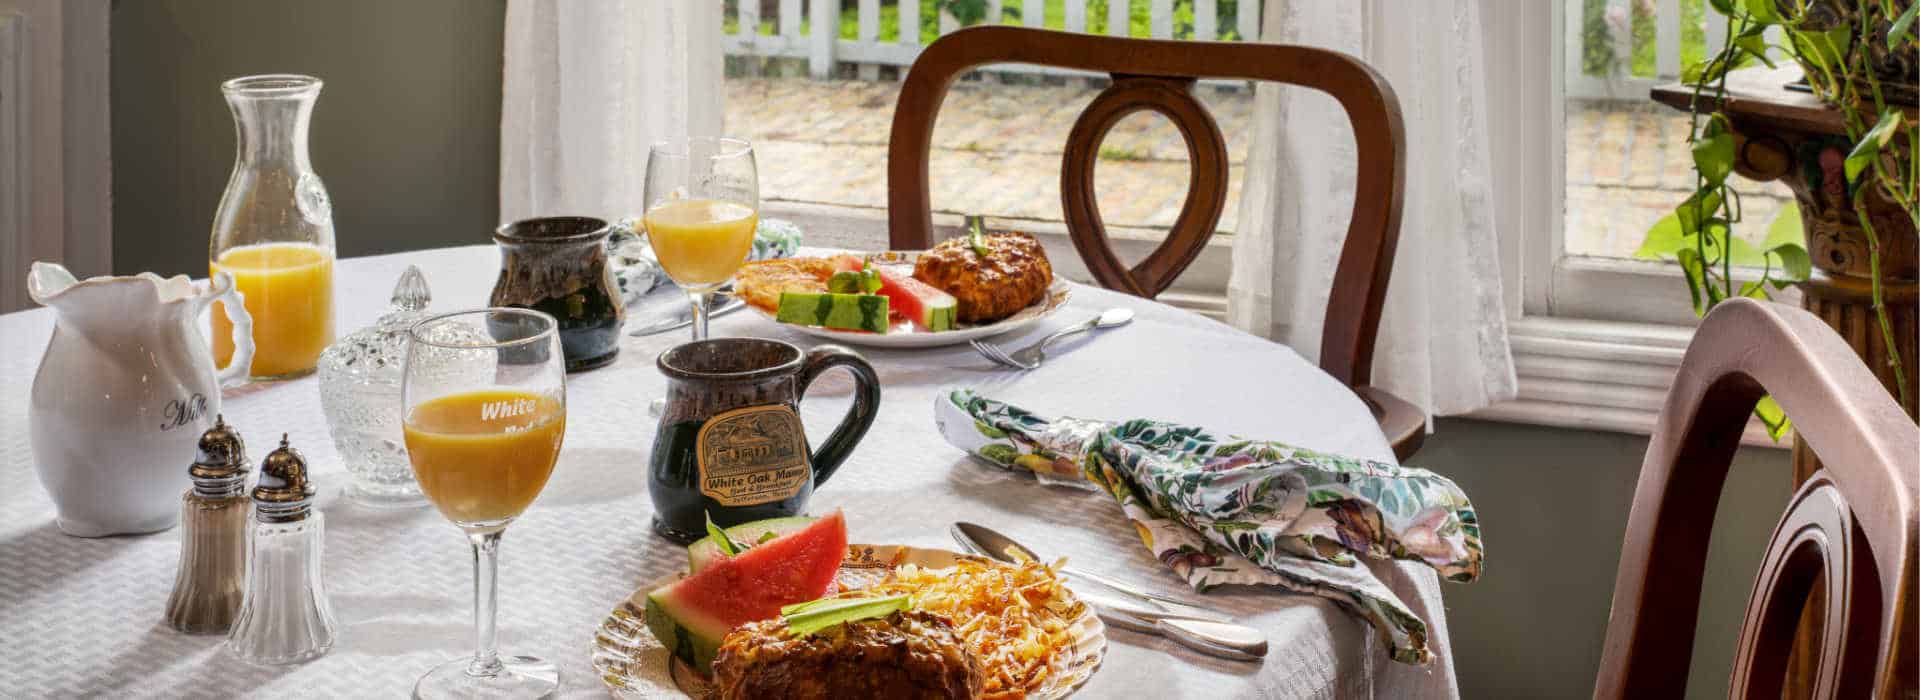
x=273, y=230
x=288, y=289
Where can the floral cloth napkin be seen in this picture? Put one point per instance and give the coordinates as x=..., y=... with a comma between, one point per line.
x=1226, y=510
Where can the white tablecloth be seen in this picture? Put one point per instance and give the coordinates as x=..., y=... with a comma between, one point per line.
x=83, y=617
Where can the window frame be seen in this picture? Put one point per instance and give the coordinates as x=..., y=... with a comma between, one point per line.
x=1595, y=341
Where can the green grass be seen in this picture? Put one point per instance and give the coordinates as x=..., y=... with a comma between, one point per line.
x=1139, y=18
x=1596, y=36
x=1118, y=153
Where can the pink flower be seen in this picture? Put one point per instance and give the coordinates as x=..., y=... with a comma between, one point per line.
x=1185, y=560
x=1221, y=464
x=1423, y=536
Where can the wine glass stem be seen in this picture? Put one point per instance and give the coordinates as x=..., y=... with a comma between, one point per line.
x=486, y=564
x=699, y=313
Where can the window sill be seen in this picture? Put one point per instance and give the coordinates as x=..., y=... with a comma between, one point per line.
x=1598, y=375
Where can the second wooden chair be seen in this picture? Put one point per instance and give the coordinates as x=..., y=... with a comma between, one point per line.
x=1159, y=75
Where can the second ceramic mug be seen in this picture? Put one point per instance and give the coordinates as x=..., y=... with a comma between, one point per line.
x=558, y=265
x=730, y=444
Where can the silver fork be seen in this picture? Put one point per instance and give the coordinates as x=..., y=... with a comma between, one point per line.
x=1031, y=356
x=993, y=352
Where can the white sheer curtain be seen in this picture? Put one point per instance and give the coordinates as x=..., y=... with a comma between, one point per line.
x=1443, y=337
x=589, y=85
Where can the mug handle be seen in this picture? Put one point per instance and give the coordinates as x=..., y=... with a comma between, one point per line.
x=866, y=405
x=226, y=291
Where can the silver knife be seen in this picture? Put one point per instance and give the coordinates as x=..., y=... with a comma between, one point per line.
x=732, y=304
x=1222, y=639
x=1121, y=605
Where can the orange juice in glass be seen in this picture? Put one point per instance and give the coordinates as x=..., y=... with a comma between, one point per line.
x=702, y=204
x=288, y=289
x=483, y=410
x=701, y=242
x=483, y=456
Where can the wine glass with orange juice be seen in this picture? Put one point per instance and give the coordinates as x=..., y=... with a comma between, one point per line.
x=273, y=230
x=484, y=406
x=702, y=205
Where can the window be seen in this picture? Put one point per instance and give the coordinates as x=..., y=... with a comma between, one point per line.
x=820, y=112
x=1621, y=162
x=1586, y=163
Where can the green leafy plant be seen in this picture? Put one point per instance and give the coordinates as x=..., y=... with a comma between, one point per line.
x=1698, y=235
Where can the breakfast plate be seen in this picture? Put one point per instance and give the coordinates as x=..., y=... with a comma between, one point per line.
x=905, y=334
x=635, y=665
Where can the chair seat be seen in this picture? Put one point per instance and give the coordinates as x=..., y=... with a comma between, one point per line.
x=1403, y=423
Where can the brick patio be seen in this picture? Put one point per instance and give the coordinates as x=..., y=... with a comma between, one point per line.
x=997, y=152
x=1627, y=166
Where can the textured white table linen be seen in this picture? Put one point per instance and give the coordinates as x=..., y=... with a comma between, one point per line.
x=81, y=617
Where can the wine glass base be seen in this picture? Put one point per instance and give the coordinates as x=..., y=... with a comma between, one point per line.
x=519, y=678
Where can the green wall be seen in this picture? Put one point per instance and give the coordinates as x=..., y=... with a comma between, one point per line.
x=1553, y=506
x=406, y=133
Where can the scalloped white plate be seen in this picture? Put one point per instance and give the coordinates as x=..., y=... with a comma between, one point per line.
x=634, y=664
x=904, y=335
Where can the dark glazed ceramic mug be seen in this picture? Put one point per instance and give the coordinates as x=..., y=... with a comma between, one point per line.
x=559, y=265
x=730, y=445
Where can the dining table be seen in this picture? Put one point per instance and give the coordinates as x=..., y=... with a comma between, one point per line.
x=84, y=617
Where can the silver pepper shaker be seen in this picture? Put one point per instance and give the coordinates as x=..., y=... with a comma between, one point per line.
x=213, y=536
x=285, y=617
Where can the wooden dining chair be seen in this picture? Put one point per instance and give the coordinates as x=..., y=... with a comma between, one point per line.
x=1852, y=523
x=1159, y=76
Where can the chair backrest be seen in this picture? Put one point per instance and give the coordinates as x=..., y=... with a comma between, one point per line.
x=1159, y=75
x=1854, y=521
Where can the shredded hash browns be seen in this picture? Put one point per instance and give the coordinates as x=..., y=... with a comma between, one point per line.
x=1015, y=618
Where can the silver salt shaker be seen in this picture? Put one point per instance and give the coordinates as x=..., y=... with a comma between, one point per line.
x=285, y=617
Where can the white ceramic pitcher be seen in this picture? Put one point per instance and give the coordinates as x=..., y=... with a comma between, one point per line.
x=124, y=391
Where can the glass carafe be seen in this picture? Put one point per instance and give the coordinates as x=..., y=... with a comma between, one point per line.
x=274, y=229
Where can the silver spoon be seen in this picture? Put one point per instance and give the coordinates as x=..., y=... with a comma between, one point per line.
x=1210, y=635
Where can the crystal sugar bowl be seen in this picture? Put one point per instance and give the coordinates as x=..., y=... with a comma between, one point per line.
x=360, y=392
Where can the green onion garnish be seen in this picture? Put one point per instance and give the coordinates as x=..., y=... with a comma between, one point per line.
x=813, y=616
x=720, y=539
x=977, y=235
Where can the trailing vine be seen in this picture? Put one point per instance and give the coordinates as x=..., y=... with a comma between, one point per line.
x=1698, y=235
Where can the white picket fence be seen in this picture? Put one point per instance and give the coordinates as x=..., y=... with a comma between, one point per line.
x=1620, y=84
x=823, y=50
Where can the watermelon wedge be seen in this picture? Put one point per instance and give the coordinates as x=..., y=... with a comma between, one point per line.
x=692, y=615
x=918, y=301
x=706, y=551
x=854, y=312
